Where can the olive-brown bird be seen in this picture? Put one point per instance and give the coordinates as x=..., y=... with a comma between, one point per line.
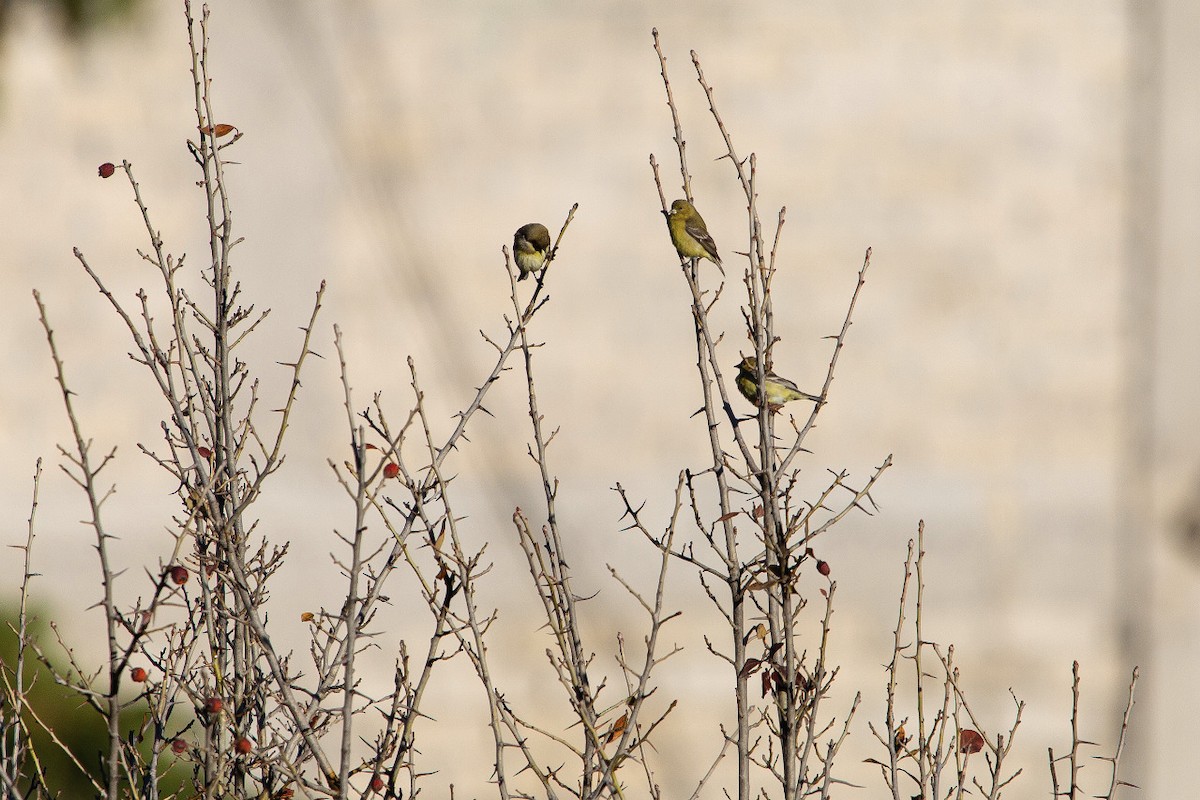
x=531, y=245
x=689, y=234
x=779, y=390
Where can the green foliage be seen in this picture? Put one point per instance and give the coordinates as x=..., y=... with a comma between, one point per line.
x=80, y=17
x=78, y=727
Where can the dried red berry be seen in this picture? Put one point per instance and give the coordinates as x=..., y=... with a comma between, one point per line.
x=179, y=575
x=377, y=784
x=213, y=705
x=107, y=170
x=204, y=452
x=243, y=745
x=823, y=567
x=391, y=469
x=178, y=746
x=137, y=675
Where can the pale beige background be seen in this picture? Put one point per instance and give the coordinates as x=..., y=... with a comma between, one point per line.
x=391, y=148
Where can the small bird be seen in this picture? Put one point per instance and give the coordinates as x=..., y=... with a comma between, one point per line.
x=531, y=245
x=689, y=234
x=779, y=390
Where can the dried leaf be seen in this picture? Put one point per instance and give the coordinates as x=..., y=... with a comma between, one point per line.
x=749, y=667
x=307, y=616
x=969, y=741
x=727, y=517
x=194, y=503
x=617, y=728
x=766, y=683
x=899, y=740
x=218, y=130
x=759, y=632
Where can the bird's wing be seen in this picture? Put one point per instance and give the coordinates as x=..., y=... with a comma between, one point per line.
x=697, y=232
x=790, y=385
x=784, y=382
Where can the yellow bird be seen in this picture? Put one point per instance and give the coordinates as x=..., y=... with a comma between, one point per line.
x=531, y=245
x=779, y=390
x=689, y=234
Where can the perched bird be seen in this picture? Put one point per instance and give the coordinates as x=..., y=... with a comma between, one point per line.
x=531, y=245
x=689, y=233
x=779, y=390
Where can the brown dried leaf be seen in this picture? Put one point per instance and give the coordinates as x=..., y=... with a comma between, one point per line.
x=899, y=740
x=749, y=667
x=617, y=728
x=969, y=741
x=218, y=130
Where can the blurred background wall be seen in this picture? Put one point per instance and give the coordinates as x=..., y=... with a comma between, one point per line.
x=1026, y=173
